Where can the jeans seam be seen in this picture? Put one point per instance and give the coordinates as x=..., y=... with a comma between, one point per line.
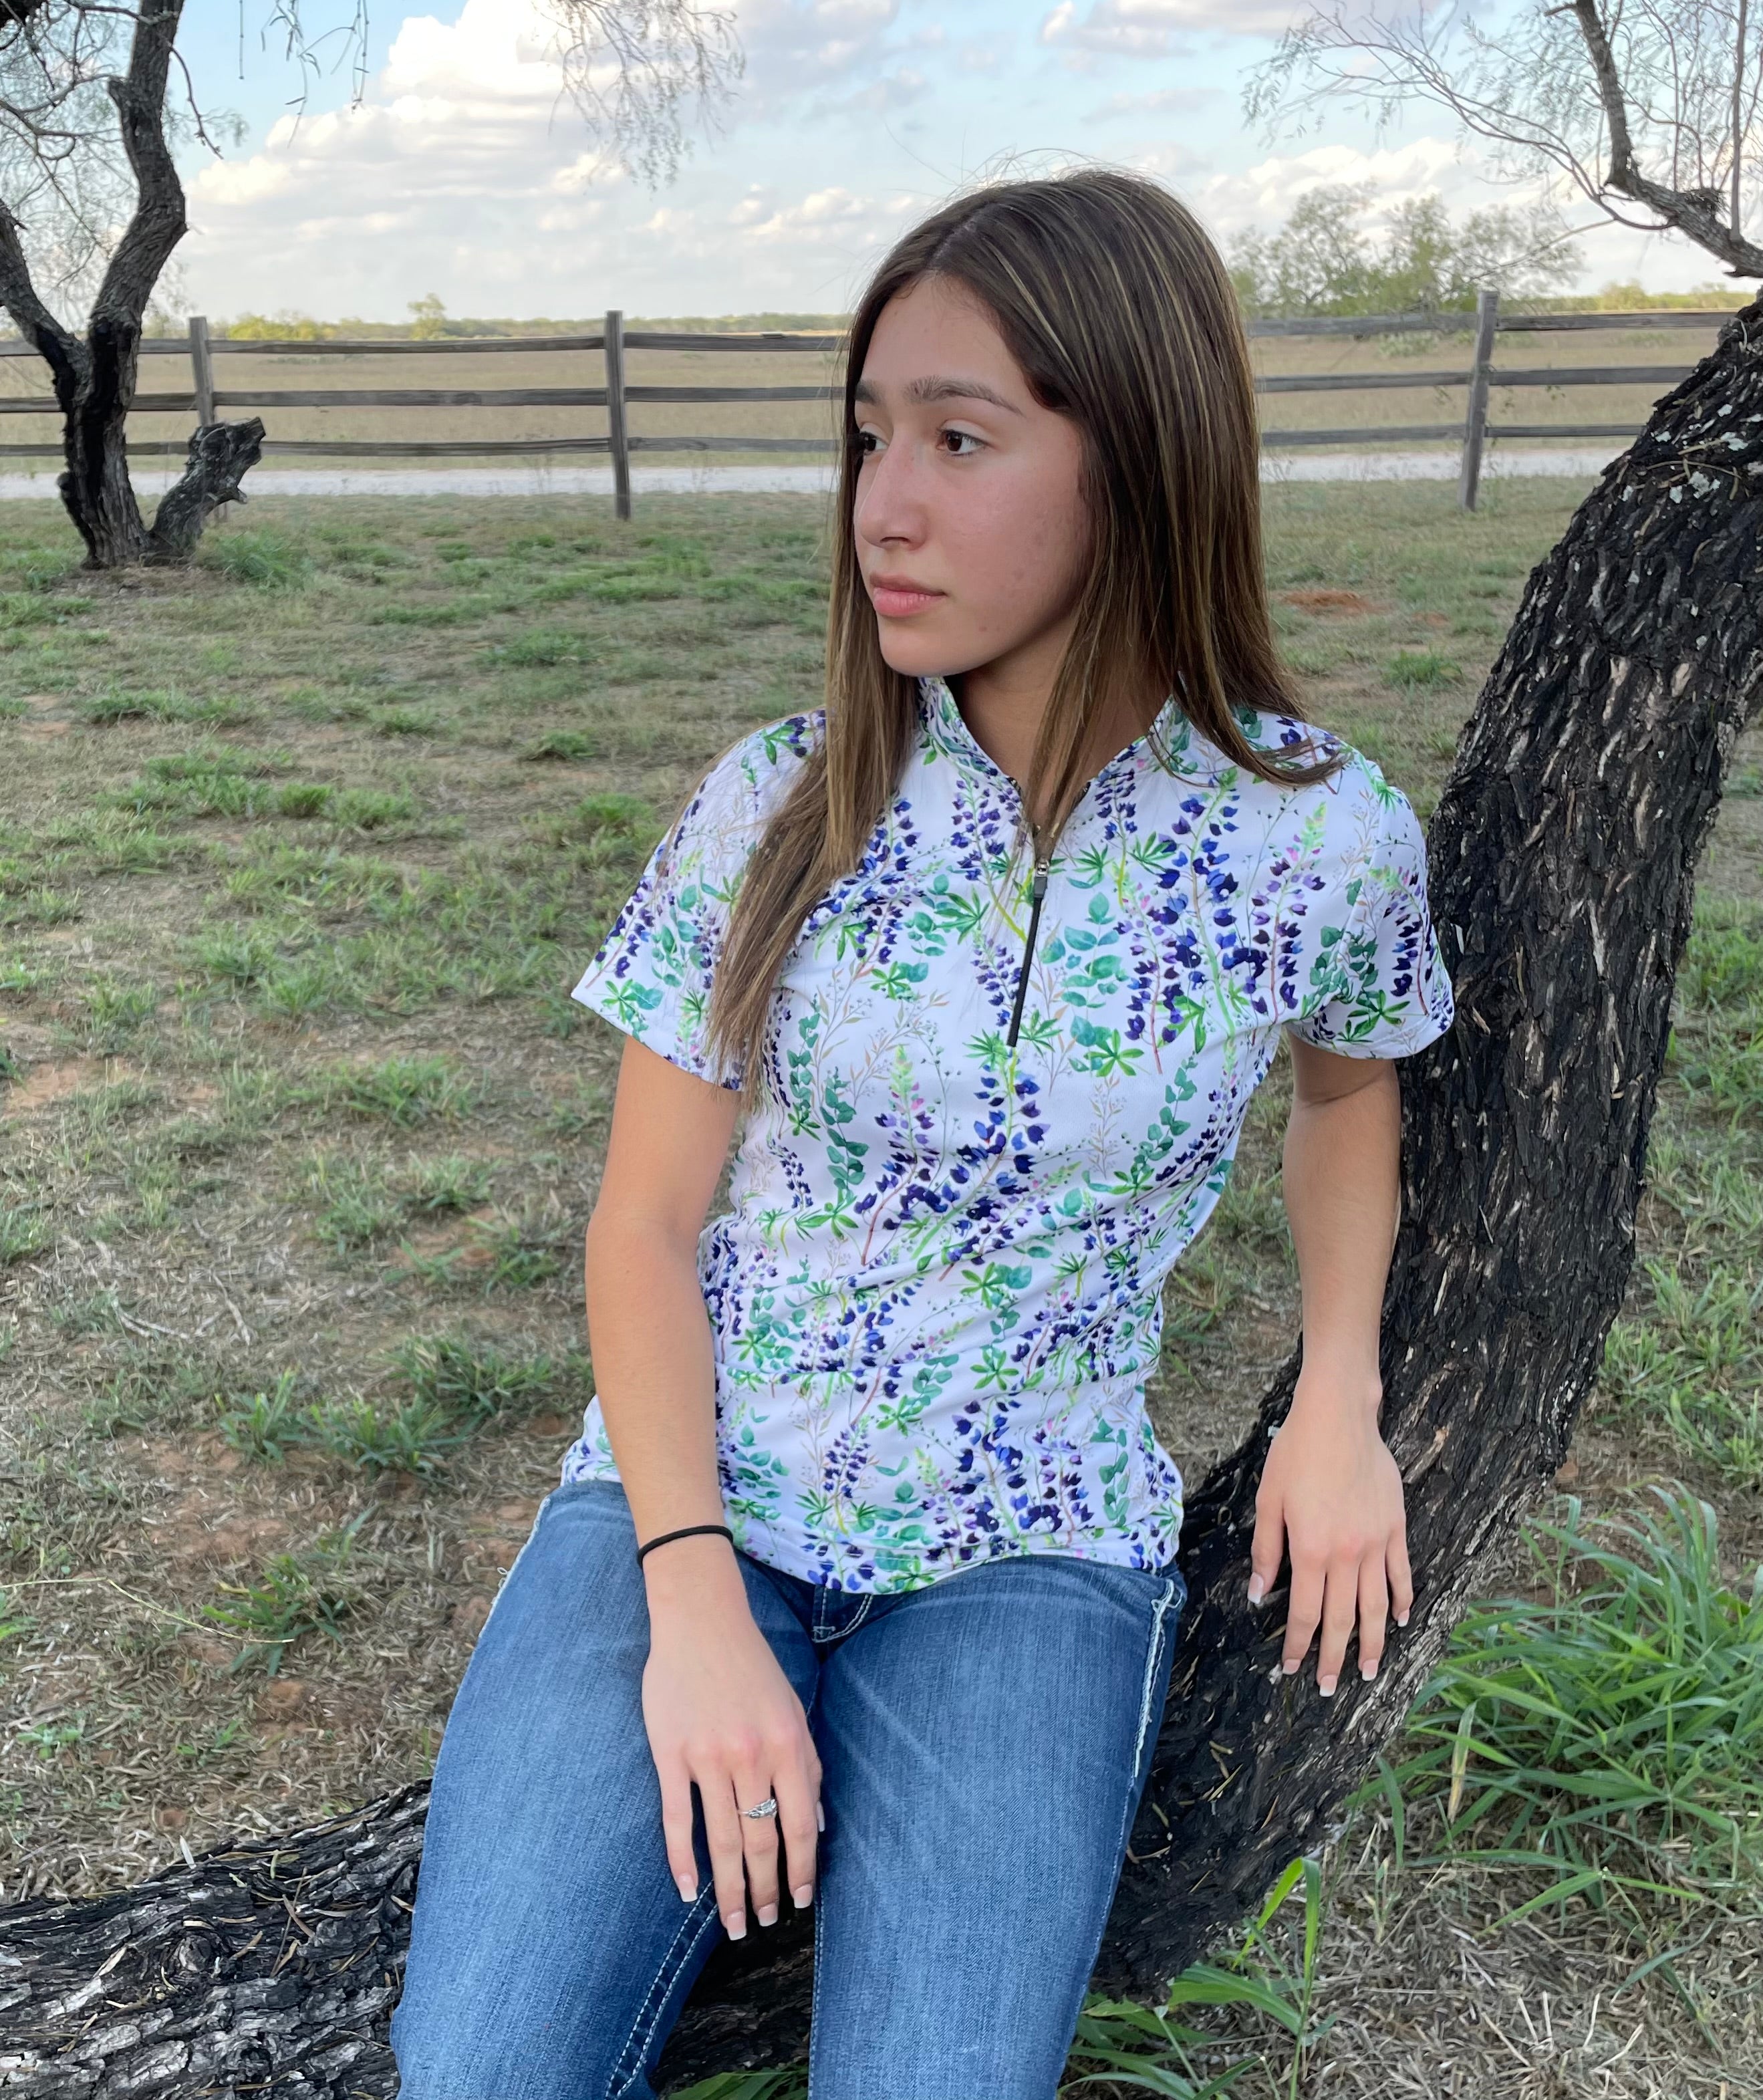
x=813, y=2004
x=641, y=2034
x=1157, y=1616
x=1153, y=1652
x=503, y=1585
x=863, y=1614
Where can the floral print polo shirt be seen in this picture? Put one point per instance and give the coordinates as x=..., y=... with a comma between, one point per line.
x=936, y=1296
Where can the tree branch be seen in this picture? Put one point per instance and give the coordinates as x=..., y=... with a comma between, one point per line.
x=1696, y=212
x=63, y=353
x=1526, y=91
x=158, y=224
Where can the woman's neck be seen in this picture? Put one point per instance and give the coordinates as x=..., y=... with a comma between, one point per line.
x=1004, y=705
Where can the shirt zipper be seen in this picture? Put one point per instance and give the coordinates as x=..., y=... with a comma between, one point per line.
x=1036, y=893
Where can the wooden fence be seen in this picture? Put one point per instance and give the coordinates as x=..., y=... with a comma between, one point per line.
x=206, y=401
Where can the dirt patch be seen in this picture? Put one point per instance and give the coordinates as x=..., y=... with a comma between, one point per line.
x=223, y=1545
x=1327, y=600
x=54, y=1083
x=467, y=1617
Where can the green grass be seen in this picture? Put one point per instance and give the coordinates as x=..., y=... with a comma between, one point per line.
x=400, y=1090
x=115, y=1014
x=458, y=1385
x=569, y=747
x=266, y=1425
x=24, y=1232
x=470, y=1376
x=297, y=1594
x=1611, y=1730
x=120, y=704
x=359, y=1202
x=269, y=561
x=1415, y=670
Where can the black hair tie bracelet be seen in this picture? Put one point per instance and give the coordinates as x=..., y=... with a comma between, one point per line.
x=685, y=1532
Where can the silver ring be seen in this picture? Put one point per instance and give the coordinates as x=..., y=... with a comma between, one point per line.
x=768, y=1807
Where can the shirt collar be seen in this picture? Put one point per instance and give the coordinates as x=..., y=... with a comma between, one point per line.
x=947, y=733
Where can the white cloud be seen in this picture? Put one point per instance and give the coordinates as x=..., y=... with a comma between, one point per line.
x=863, y=223
x=1263, y=195
x=465, y=169
x=1144, y=28
x=1159, y=102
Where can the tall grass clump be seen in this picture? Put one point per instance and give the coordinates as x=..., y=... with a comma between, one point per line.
x=1610, y=1730
x=271, y=561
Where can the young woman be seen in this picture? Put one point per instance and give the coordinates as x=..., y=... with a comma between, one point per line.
x=860, y=1581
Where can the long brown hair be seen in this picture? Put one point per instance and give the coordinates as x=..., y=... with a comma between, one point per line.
x=1113, y=301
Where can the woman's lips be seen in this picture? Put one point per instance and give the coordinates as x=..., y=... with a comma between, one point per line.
x=897, y=599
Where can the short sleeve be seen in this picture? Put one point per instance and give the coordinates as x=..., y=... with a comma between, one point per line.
x=651, y=976
x=1385, y=991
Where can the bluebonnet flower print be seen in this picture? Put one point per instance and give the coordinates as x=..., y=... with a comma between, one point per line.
x=935, y=1297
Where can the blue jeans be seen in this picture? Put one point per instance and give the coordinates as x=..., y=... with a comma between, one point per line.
x=984, y=1744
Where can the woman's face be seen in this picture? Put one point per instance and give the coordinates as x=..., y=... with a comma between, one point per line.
x=969, y=521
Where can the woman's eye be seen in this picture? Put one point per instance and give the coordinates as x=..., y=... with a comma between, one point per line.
x=868, y=443
x=962, y=444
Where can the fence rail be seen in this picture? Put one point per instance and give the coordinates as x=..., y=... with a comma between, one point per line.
x=205, y=400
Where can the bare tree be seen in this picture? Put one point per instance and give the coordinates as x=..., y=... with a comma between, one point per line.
x=1650, y=110
x=94, y=101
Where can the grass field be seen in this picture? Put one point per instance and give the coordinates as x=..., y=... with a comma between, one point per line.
x=1274, y=356
x=299, y=855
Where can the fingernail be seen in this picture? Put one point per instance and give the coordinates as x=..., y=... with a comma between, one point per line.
x=1325, y=1686
x=688, y=1889
x=735, y=1926
x=1289, y=1669
x=768, y=1913
x=803, y=1895
x=1401, y=1618
x=1368, y=1670
x=1257, y=1589
x=820, y=1815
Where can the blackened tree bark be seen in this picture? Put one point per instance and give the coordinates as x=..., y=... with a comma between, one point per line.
x=1563, y=855
x=95, y=376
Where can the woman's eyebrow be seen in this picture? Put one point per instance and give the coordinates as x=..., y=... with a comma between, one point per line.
x=938, y=389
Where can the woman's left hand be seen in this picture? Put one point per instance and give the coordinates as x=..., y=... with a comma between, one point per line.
x=1331, y=1493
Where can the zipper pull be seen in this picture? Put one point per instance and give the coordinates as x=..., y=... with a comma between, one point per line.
x=1036, y=892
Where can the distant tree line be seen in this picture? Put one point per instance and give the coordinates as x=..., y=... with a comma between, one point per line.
x=1325, y=260
x=429, y=320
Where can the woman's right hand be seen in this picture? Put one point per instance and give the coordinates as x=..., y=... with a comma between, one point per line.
x=720, y=1711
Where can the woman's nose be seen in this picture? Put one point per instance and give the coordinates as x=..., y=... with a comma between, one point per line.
x=890, y=507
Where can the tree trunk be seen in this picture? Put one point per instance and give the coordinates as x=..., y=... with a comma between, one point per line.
x=95, y=394
x=1563, y=859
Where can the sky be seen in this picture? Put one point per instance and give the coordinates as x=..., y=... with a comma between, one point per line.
x=462, y=171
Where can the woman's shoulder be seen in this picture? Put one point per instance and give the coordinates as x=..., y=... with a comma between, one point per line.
x=744, y=785
x=760, y=763
x=1356, y=786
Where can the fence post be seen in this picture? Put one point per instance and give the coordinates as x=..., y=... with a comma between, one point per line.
x=615, y=424
x=1475, y=425
x=201, y=370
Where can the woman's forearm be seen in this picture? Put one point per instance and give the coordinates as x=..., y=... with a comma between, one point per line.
x=1342, y=1187
x=654, y=1375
